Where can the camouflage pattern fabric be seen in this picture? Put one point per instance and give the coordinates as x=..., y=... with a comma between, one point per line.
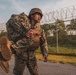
x=25, y=50
x=21, y=44
x=25, y=59
x=39, y=40
x=43, y=44
x=17, y=26
x=28, y=58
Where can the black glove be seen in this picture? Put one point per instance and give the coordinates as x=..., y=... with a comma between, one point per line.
x=45, y=58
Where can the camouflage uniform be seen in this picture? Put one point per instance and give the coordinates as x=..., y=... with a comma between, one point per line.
x=17, y=26
x=28, y=57
x=25, y=56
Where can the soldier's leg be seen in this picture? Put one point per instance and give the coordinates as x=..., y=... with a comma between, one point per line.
x=32, y=66
x=19, y=66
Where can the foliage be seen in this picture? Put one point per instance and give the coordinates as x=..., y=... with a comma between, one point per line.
x=58, y=58
x=71, y=26
x=62, y=50
x=3, y=33
x=64, y=55
x=59, y=27
x=46, y=28
x=68, y=40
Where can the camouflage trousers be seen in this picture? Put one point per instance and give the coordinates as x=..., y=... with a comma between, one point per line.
x=25, y=58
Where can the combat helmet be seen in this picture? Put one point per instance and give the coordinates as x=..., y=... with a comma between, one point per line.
x=36, y=10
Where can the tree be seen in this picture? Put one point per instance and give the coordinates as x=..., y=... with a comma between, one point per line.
x=59, y=27
x=53, y=29
x=46, y=29
x=72, y=26
x=3, y=33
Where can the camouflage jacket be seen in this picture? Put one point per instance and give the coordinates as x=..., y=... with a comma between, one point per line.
x=17, y=26
x=43, y=44
x=39, y=40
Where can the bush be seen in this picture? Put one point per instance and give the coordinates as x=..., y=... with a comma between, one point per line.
x=69, y=41
x=3, y=33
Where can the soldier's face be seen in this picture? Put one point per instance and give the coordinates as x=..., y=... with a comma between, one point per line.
x=37, y=17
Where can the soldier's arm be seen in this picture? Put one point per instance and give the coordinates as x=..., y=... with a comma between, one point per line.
x=43, y=45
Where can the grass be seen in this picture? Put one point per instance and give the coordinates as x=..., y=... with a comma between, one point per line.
x=63, y=50
x=58, y=58
x=64, y=55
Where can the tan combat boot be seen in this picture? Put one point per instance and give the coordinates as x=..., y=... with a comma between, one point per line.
x=5, y=48
x=5, y=53
x=5, y=66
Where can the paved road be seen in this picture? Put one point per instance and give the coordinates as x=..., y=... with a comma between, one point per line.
x=46, y=69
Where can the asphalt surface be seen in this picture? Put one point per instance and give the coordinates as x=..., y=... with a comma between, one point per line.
x=46, y=68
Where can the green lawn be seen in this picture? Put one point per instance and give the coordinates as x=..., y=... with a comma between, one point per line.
x=64, y=55
x=58, y=58
x=62, y=50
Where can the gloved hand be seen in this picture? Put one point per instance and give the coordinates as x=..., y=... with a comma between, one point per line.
x=45, y=58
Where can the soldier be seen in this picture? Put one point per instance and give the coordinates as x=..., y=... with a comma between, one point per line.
x=29, y=41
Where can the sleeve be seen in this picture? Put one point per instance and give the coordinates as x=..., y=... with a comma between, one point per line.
x=43, y=44
x=17, y=27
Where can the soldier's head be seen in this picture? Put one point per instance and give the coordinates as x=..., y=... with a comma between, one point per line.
x=35, y=14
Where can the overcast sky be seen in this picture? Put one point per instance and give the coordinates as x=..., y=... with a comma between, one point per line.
x=9, y=7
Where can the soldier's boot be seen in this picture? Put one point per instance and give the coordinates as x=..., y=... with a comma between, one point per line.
x=5, y=66
x=6, y=43
x=5, y=53
x=5, y=48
